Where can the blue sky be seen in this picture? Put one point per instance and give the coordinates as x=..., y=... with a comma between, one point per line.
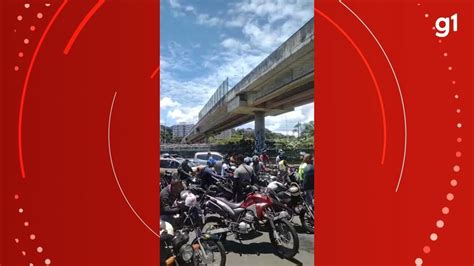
x=202, y=42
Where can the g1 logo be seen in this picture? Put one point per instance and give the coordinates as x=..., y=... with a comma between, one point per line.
x=443, y=25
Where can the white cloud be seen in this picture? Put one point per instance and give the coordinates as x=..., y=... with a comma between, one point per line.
x=175, y=4
x=180, y=10
x=189, y=8
x=167, y=102
x=233, y=44
x=275, y=10
x=185, y=114
x=177, y=58
x=285, y=123
x=264, y=24
x=206, y=19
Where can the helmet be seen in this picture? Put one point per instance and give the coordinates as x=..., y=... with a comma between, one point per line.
x=166, y=227
x=276, y=186
x=247, y=160
x=184, y=194
x=189, y=198
x=294, y=189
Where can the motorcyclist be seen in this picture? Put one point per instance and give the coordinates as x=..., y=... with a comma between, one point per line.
x=184, y=170
x=278, y=158
x=225, y=165
x=168, y=196
x=257, y=165
x=264, y=158
x=244, y=176
x=283, y=169
x=308, y=179
x=299, y=174
x=207, y=174
x=248, y=160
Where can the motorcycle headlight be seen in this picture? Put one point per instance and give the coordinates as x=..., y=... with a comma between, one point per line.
x=186, y=253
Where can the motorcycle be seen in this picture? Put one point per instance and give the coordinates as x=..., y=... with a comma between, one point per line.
x=206, y=248
x=166, y=179
x=175, y=249
x=219, y=188
x=265, y=178
x=291, y=199
x=248, y=216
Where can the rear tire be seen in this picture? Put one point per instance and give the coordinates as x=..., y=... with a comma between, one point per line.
x=285, y=230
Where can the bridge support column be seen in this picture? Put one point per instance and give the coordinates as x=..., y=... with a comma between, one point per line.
x=259, y=131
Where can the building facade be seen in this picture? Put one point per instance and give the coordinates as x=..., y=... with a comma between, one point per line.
x=181, y=130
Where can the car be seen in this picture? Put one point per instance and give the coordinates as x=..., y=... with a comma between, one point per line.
x=172, y=164
x=201, y=158
x=169, y=164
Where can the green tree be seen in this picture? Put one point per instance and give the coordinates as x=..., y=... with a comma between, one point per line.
x=166, y=134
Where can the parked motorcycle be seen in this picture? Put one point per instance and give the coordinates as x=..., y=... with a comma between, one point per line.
x=248, y=216
x=207, y=249
x=175, y=249
x=291, y=198
x=265, y=178
x=220, y=188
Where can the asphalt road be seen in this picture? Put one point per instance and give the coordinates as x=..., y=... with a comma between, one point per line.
x=259, y=251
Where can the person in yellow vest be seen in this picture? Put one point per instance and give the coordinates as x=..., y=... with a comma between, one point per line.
x=283, y=169
x=300, y=173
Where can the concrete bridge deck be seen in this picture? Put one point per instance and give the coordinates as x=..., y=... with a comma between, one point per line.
x=283, y=81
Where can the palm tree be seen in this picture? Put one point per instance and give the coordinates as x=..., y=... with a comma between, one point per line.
x=297, y=128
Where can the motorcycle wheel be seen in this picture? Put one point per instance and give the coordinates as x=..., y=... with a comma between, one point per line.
x=288, y=235
x=214, y=250
x=214, y=222
x=307, y=222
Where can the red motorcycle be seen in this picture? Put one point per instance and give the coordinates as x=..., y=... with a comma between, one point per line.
x=245, y=217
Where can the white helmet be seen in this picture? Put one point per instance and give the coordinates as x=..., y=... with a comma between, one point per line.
x=166, y=227
x=294, y=189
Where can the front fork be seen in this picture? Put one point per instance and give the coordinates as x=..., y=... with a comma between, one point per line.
x=272, y=225
x=198, y=245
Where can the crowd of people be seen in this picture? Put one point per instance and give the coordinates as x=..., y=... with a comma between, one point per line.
x=244, y=172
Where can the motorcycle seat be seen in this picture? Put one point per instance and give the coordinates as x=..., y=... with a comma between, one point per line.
x=232, y=205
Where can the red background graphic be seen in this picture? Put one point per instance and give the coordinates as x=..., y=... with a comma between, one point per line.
x=361, y=220
x=70, y=198
x=75, y=210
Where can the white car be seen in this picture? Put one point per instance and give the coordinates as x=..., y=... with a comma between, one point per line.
x=200, y=158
